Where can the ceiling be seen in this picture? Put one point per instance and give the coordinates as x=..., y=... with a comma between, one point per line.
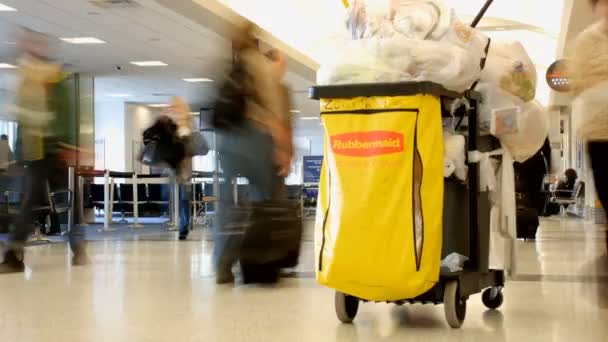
x=148, y=31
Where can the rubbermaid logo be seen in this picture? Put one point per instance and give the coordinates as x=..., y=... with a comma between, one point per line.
x=367, y=144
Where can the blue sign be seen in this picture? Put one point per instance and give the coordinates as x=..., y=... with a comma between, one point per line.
x=312, y=169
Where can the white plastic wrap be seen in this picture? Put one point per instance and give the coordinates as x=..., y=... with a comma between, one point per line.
x=503, y=218
x=509, y=66
x=454, y=156
x=533, y=130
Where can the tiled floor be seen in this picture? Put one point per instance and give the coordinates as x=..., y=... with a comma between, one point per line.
x=152, y=289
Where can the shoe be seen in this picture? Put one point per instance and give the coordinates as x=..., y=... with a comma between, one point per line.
x=12, y=263
x=80, y=257
x=224, y=277
x=183, y=237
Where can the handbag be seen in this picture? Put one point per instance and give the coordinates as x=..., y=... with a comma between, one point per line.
x=149, y=154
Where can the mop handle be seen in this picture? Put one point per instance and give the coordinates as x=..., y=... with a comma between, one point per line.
x=481, y=13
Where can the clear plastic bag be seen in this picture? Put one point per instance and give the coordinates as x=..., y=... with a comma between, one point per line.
x=494, y=98
x=410, y=19
x=505, y=121
x=509, y=66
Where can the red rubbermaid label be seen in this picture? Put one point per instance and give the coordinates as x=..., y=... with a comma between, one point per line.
x=367, y=144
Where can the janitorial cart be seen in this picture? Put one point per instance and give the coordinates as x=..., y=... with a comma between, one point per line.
x=386, y=215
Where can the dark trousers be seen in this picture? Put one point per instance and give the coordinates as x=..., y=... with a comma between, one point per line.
x=598, y=152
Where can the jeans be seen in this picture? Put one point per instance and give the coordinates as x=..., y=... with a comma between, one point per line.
x=185, y=200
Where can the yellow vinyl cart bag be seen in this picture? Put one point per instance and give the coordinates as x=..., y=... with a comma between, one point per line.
x=379, y=219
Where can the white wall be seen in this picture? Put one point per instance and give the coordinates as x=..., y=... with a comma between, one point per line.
x=110, y=127
x=138, y=118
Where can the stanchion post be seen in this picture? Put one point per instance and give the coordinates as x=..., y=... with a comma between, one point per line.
x=108, y=199
x=135, y=202
x=71, y=181
x=107, y=215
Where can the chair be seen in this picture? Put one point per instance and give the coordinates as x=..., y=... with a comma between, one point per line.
x=127, y=200
x=158, y=198
x=98, y=196
x=571, y=197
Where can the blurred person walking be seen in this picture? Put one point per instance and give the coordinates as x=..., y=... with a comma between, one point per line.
x=179, y=112
x=253, y=119
x=46, y=139
x=589, y=68
x=6, y=154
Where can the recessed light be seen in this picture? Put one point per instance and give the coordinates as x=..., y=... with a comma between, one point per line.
x=197, y=80
x=7, y=66
x=83, y=40
x=309, y=118
x=5, y=8
x=159, y=105
x=149, y=63
x=295, y=111
x=119, y=95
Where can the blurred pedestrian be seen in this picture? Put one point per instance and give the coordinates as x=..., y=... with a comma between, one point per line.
x=258, y=146
x=179, y=112
x=46, y=139
x=589, y=69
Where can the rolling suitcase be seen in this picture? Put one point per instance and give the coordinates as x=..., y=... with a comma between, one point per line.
x=271, y=241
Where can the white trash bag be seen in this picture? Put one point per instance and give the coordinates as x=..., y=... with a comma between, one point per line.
x=533, y=131
x=509, y=66
x=454, y=156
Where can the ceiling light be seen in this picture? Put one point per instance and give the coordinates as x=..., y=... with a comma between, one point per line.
x=159, y=105
x=309, y=118
x=8, y=42
x=295, y=111
x=83, y=40
x=149, y=63
x=7, y=66
x=197, y=80
x=119, y=95
x=195, y=113
x=5, y=8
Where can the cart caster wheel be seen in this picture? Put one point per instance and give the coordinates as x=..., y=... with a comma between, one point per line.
x=346, y=307
x=492, y=303
x=455, y=308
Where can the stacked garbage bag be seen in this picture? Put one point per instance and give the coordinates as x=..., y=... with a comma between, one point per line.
x=404, y=40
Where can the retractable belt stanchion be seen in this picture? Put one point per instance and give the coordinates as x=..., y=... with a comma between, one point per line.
x=108, y=197
x=71, y=187
x=175, y=215
x=135, y=203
